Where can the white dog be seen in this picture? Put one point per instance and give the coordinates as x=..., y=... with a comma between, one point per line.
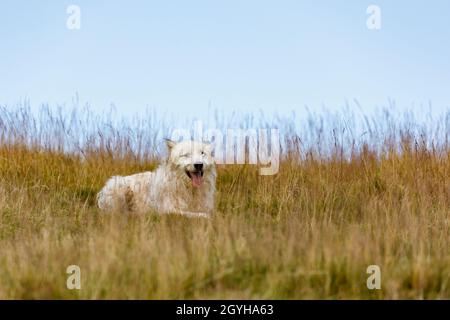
x=184, y=184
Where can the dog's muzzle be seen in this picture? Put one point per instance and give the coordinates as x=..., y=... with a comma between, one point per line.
x=196, y=175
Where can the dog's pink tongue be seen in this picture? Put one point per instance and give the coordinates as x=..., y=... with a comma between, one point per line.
x=197, y=179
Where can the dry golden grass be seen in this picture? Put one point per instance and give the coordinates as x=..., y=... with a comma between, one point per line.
x=308, y=232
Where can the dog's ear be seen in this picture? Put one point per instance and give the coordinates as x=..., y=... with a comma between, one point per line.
x=170, y=143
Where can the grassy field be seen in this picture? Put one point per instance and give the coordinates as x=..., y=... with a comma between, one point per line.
x=310, y=231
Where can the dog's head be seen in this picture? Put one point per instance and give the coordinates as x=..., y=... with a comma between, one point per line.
x=192, y=159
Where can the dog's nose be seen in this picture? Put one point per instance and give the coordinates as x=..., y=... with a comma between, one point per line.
x=198, y=166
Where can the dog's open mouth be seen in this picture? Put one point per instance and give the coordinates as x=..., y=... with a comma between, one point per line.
x=196, y=177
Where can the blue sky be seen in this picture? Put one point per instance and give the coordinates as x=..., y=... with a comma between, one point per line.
x=182, y=57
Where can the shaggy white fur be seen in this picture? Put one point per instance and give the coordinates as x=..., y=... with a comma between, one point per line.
x=184, y=184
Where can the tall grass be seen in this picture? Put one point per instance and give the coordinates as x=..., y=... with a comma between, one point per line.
x=351, y=192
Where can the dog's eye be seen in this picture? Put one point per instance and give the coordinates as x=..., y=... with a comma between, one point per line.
x=203, y=153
